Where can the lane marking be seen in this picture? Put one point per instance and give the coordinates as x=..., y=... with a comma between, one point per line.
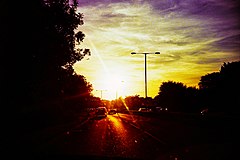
x=155, y=138
x=144, y=131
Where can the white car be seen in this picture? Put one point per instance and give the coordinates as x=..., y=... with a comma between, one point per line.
x=101, y=112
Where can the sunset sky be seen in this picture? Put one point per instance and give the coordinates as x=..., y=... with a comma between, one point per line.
x=194, y=37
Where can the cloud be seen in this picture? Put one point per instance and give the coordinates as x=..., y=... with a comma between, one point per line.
x=194, y=37
x=228, y=44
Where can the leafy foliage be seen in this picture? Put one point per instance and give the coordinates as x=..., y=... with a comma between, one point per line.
x=39, y=50
x=133, y=102
x=177, y=97
x=220, y=90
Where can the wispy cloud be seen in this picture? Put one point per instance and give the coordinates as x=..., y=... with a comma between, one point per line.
x=194, y=37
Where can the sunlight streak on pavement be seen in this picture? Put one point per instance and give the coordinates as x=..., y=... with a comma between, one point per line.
x=137, y=126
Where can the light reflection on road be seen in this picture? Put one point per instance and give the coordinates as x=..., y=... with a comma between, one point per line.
x=117, y=123
x=108, y=136
x=122, y=142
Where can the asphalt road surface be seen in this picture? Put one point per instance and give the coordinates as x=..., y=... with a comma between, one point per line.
x=109, y=137
x=126, y=136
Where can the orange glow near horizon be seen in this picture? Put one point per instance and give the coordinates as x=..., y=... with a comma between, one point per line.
x=110, y=77
x=113, y=85
x=189, y=47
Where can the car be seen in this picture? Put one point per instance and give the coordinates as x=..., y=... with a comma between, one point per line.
x=101, y=112
x=112, y=111
x=142, y=109
x=161, y=109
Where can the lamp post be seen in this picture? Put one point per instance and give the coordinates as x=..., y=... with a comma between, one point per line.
x=101, y=90
x=145, y=58
x=117, y=90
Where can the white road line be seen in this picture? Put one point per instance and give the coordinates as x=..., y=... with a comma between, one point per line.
x=149, y=134
x=155, y=138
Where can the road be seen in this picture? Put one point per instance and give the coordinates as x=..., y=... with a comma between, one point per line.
x=109, y=137
x=126, y=136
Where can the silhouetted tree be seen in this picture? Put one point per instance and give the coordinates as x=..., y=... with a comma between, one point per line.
x=133, y=102
x=171, y=95
x=220, y=90
x=94, y=102
x=177, y=97
x=40, y=50
x=209, y=86
x=192, y=100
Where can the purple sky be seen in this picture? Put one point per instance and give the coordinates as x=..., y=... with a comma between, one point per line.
x=195, y=37
x=223, y=16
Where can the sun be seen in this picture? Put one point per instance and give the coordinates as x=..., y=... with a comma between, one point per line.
x=113, y=82
x=112, y=86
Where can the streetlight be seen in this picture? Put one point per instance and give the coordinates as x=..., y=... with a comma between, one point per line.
x=101, y=90
x=145, y=55
x=117, y=90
